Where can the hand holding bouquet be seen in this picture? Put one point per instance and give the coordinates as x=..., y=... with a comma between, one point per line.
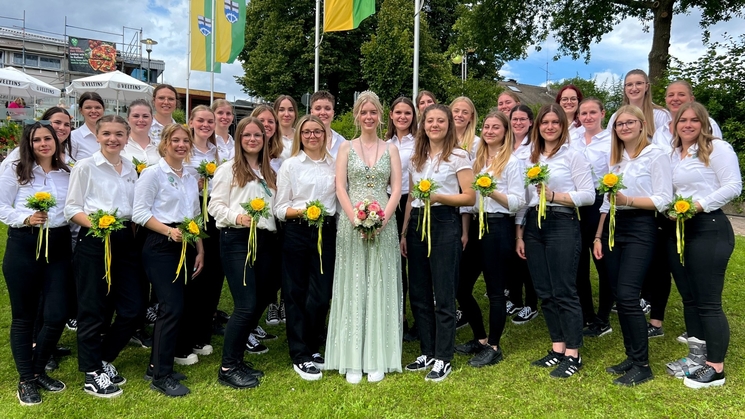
x=314, y=214
x=257, y=208
x=611, y=183
x=368, y=218
x=484, y=184
x=43, y=202
x=681, y=209
x=422, y=191
x=206, y=171
x=190, y=233
x=537, y=175
x=102, y=224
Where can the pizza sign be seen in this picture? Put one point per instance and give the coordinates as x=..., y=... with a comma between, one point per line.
x=92, y=56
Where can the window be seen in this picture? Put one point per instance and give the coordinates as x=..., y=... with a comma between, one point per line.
x=50, y=63
x=37, y=61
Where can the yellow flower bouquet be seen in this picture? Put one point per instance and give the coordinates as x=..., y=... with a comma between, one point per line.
x=190, y=233
x=139, y=165
x=538, y=175
x=256, y=208
x=206, y=170
x=681, y=209
x=484, y=184
x=611, y=183
x=42, y=201
x=422, y=191
x=102, y=224
x=314, y=214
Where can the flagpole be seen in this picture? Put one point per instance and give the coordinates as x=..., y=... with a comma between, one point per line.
x=318, y=47
x=212, y=59
x=417, y=8
x=188, y=65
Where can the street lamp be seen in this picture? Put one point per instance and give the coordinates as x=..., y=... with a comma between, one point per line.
x=149, y=48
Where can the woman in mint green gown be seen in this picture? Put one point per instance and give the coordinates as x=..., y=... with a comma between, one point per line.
x=365, y=329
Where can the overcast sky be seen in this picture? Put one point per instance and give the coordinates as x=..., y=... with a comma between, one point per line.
x=165, y=21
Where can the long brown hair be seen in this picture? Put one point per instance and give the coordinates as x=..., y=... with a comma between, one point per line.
x=539, y=143
x=505, y=151
x=648, y=106
x=27, y=159
x=617, y=146
x=421, y=145
x=705, y=137
x=242, y=172
x=274, y=144
x=392, y=127
x=278, y=103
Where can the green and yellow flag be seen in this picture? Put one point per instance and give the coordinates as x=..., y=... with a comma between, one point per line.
x=202, y=30
x=231, y=25
x=345, y=15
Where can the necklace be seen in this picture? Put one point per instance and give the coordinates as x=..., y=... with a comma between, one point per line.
x=176, y=170
x=362, y=149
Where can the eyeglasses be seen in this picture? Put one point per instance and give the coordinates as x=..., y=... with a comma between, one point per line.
x=315, y=133
x=635, y=84
x=165, y=99
x=256, y=136
x=40, y=122
x=569, y=99
x=523, y=120
x=629, y=124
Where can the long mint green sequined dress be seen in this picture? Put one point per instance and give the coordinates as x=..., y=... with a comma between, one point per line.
x=365, y=322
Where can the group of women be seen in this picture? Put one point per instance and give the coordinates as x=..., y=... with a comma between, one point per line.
x=298, y=186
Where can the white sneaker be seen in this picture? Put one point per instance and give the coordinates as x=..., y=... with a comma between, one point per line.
x=189, y=359
x=375, y=376
x=202, y=349
x=354, y=377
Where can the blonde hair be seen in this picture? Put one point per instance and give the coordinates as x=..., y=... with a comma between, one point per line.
x=204, y=108
x=617, y=146
x=647, y=106
x=166, y=137
x=505, y=151
x=470, y=133
x=297, y=142
x=364, y=98
x=705, y=137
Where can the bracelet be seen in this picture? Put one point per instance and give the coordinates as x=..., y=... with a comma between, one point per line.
x=27, y=221
x=627, y=202
x=168, y=233
x=597, y=240
x=553, y=194
x=632, y=202
x=518, y=238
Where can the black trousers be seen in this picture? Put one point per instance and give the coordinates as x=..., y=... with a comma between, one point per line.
x=553, y=255
x=489, y=255
x=656, y=289
x=627, y=266
x=518, y=277
x=400, y=210
x=307, y=291
x=437, y=273
x=160, y=258
x=709, y=242
x=250, y=297
x=588, y=224
x=30, y=281
x=94, y=304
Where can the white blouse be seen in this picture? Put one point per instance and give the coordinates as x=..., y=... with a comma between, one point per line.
x=96, y=185
x=198, y=156
x=301, y=180
x=276, y=163
x=156, y=128
x=569, y=172
x=597, y=152
x=663, y=138
x=83, y=143
x=160, y=193
x=509, y=183
x=405, y=150
x=336, y=140
x=13, y=199
x=148, y=155
x=226, y=198
x=443, y=173
x=646, y=176
x=226, y=149
x=711, y=186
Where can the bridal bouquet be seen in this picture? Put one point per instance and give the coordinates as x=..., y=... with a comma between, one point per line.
x=368, y=218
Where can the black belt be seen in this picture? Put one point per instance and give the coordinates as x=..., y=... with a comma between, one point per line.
x=556, y=208
x=621, y=213
x=328, y=220
x=494, y=215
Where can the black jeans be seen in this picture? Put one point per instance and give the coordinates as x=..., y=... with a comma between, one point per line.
x=438, y=273
x=588, y=224
x=709, y=242
x=249, y=297
x=400, y=209
x=307, y=291
x=490, y=255
x=553, y=255
x=627, y=266
x=656, y=289
x=170, y=337
x=30, y=281
x=95, y=305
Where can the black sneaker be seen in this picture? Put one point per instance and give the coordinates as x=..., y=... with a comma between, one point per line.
x=169, y=386
x=550, y=360
x=487, y=356
x=646, y=307
x=568, y=367
x=272, y=315
x=28, y=393
x=471, y=347
x=634, y=376
x=621, y=368
x=71, y=324
x=422, y=363
x=654, y=331
x=141, y=338
x=218, y=329
x=261, y=334
x=222, y=316
x=460, y=321
x=113, y=374
x=98, y=384
x=248, y=367
x=440, y=370
x=61, y=351
x=614, y=309
x=236, y=378
x=307, y=371
x=149, y=374
x=706, y=376
x=525, y=315
x=282, y=312
x=319, y=361
x=512, y=308
x=48, y=383
x=412, y=335
x=52, y=364
x=151, y=315
x=597, y=330
x=253, y=346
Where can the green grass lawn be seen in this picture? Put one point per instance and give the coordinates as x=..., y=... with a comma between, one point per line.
x=510, y=389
